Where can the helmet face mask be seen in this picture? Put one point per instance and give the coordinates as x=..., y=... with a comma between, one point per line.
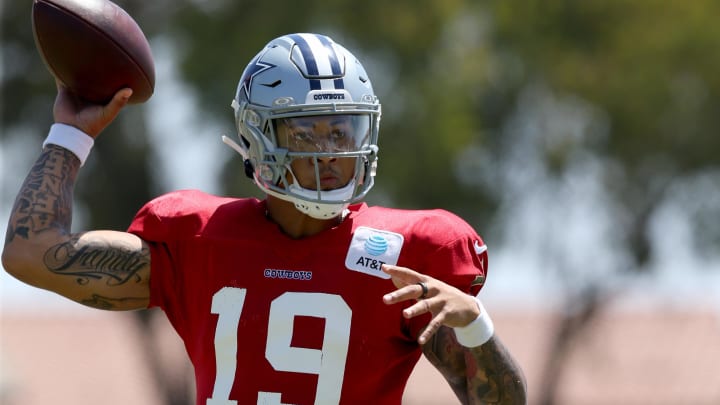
x=305, y=97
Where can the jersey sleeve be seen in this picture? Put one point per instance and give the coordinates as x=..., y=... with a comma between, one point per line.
x=465, y=259
x=162, y=222
x=450, y=250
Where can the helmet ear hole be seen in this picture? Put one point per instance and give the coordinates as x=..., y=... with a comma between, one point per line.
x=249, y=169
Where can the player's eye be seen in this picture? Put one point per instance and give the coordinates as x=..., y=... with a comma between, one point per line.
x=338, y=134
x=302, y=136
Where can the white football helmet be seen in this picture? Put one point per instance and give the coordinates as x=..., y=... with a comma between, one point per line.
x=302, y=75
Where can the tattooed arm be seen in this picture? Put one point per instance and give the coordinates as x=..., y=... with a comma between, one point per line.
x=486, y=374
x=101, y=269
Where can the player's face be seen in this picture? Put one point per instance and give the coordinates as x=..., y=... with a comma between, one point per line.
x=323, y=134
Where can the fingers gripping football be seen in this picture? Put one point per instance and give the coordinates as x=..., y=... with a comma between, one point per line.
x=88, y=117
x=448, y=305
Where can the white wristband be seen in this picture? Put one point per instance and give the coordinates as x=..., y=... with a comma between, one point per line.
x=72, y=139
x=478, y=331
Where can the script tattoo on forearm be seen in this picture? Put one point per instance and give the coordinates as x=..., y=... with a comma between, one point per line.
x=485, y=374
x=96, y=260
x=45, y=199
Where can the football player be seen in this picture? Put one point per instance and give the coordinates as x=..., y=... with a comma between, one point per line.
x=308, y=296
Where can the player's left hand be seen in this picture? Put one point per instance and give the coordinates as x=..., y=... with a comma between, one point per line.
x=448, y=305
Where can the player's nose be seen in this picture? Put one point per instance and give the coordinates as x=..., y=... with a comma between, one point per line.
x=325, y=160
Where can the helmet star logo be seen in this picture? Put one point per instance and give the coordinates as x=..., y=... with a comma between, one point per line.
x=254, y=68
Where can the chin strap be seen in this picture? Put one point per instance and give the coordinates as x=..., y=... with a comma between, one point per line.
x=314, y=209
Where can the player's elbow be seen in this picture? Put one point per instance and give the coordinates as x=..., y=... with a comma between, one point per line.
x=12, y=261
x=20, y=260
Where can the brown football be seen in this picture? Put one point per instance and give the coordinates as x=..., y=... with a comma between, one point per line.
x=94, y=47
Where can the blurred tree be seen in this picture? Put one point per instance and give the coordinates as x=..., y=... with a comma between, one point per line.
x=647, y=67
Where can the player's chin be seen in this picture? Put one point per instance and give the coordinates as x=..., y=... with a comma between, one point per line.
x=333, y=184
x=327, y=184
x=330, y=187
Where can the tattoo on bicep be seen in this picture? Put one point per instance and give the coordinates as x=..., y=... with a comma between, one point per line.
x=45, y=198
x=97, y=260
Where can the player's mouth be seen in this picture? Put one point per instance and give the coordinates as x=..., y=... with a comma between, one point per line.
x=330, y=180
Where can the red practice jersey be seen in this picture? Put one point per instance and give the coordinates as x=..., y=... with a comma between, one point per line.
x=267, y=319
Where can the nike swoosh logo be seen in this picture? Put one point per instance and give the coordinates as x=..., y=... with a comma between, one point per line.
x=480, y=249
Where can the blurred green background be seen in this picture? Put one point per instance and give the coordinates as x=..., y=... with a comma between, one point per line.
x=581, y=138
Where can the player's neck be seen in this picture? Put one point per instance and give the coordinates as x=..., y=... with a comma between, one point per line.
x=294, y=223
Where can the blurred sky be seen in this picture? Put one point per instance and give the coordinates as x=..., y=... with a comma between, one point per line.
x=559, y=235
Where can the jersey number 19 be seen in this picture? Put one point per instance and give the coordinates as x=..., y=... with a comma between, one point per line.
x=328, y=362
